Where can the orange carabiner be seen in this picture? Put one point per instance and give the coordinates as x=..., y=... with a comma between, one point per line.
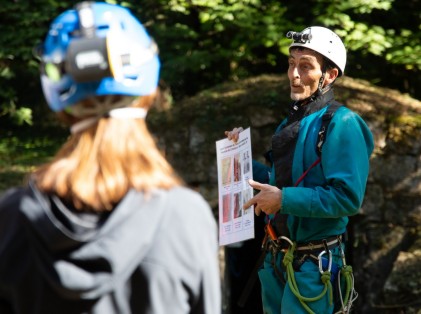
x=271, y=232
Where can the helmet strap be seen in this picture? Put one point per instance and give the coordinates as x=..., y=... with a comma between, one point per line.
x=320, y=88
x=106, y=108
x=83, y=124
x=118, y=113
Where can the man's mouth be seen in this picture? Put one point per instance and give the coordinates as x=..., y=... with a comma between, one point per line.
x=296, y=84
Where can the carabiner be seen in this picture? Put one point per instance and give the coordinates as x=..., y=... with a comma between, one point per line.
x=286, y=239
x=320, y=258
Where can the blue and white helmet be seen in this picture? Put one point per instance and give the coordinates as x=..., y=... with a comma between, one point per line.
x=97, y=49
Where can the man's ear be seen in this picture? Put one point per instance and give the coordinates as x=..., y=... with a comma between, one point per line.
x=331, y=75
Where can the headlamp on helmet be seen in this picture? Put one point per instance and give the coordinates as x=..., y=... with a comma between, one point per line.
x=97, y=49
x=299, y=37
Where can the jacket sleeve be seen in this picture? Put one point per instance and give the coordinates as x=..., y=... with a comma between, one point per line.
x=345, y=165
x=261, y=172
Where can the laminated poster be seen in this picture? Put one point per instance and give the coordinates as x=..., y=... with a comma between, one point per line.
x=234, y=162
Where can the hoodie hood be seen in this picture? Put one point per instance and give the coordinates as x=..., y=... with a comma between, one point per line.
x=84, y=256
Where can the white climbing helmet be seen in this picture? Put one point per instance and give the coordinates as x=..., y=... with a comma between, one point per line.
x=323, y=41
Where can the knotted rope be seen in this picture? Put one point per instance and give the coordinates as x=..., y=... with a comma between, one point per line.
x=287, y=262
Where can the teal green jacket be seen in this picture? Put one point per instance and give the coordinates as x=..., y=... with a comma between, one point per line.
x=333, y=190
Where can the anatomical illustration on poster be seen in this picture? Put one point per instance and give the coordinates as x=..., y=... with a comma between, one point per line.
x=234, y=170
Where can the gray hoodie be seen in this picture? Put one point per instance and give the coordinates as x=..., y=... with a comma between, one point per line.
x=155, y=254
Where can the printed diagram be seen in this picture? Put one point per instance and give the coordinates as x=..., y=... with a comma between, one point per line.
x=231, y=169
x=237, y=168
x=234, y=170
x=226, y=165
x=247, y=162
x=226, y=208
x=238, y=205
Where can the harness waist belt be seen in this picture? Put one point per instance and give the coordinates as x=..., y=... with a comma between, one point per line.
x=319, y=244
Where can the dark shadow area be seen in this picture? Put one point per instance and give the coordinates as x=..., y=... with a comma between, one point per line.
x=240, y=266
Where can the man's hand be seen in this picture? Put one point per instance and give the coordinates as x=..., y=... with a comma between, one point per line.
x=234, y=134
x=268, y=200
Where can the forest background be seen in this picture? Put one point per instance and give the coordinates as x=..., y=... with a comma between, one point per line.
x=206, y=42
x=203, y=43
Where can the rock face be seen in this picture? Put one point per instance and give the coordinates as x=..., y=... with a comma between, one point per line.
x=385, y=237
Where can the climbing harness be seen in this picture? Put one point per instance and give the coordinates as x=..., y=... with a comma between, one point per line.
x=295, y=254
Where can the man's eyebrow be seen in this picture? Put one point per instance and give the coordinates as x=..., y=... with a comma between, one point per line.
x=308, y=59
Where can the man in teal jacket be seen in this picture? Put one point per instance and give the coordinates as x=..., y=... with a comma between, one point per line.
x=320, y=155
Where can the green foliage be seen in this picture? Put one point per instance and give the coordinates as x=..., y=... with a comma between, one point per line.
x=409, y=53
x=205, y=42
x=219, y=40
x=21, y=151
x=354, y=22
x=22, y=25
x=18, y=115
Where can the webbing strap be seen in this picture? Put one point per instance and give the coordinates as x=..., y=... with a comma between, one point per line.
x=301, y=178
x=327, y=117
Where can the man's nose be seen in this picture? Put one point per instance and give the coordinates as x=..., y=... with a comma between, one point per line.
x=295, y=72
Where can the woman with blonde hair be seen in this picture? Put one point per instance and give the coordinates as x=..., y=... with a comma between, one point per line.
x=107, y=226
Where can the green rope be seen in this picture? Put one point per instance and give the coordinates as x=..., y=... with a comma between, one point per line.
x=287, y=261
x=347, y=273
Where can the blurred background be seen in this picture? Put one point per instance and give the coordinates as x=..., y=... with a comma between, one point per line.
x=224, y=65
